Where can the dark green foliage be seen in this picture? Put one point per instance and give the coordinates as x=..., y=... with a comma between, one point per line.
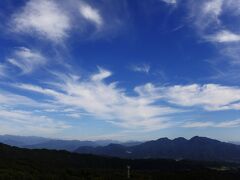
x=16, y=163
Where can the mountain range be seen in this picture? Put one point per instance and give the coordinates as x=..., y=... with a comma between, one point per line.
x=34, y=142
x=196, y=148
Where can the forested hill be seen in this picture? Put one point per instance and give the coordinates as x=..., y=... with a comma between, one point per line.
x=17, y=163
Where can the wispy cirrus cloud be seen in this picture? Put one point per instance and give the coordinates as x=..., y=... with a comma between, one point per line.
x=208, y=17
x=27, y=123
x=150, y=109
x=106, y=101
x=9, y=99
x=23, y=115
x=205, y=16
x=142, y=68
x=13, y=100
x=26, y=60
x=208, y=96
x=170, y=1
x=206, y=124
x=211, y=97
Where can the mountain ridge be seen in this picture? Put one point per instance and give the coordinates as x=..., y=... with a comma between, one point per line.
x=35, y=142
x=196, y=148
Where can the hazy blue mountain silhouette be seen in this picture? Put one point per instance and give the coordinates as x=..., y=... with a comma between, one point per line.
x=21, y=141
x=196, y=148
x=69, y=145
x=33, y=142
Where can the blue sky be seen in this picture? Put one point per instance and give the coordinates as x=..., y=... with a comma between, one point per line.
x=125, y=70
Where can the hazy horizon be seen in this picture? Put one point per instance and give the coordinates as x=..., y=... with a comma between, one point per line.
x=120, y=70
x=119, y=140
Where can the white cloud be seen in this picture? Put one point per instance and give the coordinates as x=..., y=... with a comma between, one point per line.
x=209, y=96
x=150, y=91
x=74, y=115
x=21, y=122
x=106, y=101
x=23, y=115
x=91, y=14
x=12, y=100
x=222, y=124
x=229, y=124
x=151, y=107
x=212, y=7
x=43, y=18
x=26, y=59
x=37, y=89
x=170, y=1
x=144, y=68
x=205, y=13
x=198, y=124
x=224, y=37
x=56, y=20
x=103, y=74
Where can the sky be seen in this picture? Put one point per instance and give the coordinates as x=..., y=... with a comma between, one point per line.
x=122, y=70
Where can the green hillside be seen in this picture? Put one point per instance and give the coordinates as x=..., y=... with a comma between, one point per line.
x=16, y=163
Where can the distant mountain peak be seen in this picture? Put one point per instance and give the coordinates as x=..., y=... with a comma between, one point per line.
x=180, y=139
x=164, y=139
x=203, y=139
x=196, y=148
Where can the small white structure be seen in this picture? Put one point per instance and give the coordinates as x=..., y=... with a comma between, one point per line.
x=128, y=171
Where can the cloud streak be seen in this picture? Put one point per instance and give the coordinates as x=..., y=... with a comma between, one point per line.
x=22, y=122
x=26, y=60
x=170, y=1
x=142, y=68
x=210, y=97
x=223, y=124
x=224, y=37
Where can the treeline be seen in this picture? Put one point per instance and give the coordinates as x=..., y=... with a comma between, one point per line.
x=16, y=163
